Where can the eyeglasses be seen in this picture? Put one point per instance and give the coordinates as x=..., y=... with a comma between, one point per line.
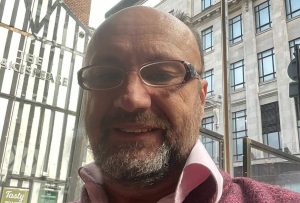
x=155, y=74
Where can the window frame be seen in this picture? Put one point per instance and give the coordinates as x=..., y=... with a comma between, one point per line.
x=232, y=22
x=260, y=59
x=233, y=67
x=238, y=156
x=208, y=143
x=292, y=45
x=289, y=10
x=270, y=123
x=209, y=74
x=258, y=12
x=204, y=34
x=203, y=4
x=266, y=138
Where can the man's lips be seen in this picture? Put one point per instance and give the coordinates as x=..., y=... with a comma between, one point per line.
x=134, y=132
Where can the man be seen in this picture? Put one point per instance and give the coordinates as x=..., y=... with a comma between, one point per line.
x=144, y=103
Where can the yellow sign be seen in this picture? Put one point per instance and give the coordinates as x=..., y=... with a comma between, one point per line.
x=14, y=195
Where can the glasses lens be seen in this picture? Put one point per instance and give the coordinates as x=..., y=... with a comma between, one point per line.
x=163, y=73
x=102, y=77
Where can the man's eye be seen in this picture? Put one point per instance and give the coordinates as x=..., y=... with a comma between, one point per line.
x=159, y=77
x=104, y=79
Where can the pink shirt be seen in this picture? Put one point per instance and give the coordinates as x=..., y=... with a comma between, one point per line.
x=199, y=166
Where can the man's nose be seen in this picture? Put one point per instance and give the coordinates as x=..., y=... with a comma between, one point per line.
x=134, y=95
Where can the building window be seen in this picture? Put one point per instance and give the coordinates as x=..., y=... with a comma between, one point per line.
x=207, y=39
x=292, y=8
x=271, y=124
x=239, y=131
x=235, y=29
x=208, y=143
x=237, y=75
x=263, y=16
x=292, y=44
x=208, y=76
x=208, y=123
x=205, y=4
x=266, y=65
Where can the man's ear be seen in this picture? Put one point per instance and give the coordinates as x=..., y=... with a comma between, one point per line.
x=203, y=91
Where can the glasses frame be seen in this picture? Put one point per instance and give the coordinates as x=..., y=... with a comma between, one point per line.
x=190, y=74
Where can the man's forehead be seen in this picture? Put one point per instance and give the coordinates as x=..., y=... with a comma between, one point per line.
x=142, y=20
x=142, y=24
x=140, y=14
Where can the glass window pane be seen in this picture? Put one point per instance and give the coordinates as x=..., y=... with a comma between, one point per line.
x=241, y=134
x=209, y=148
x=295, y=4
x=264, y=16
x=268, y=65
x=240, y=124
x=237, y=30
x=239, y=143
x=239, y=76
x=273, y=140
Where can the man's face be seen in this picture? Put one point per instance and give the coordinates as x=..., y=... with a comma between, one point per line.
x=139, y=133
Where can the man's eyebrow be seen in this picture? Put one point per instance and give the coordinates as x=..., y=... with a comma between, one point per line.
x=160, y=57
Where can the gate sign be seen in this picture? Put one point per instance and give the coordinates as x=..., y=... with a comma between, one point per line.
x=47, y=196
x=14, y=195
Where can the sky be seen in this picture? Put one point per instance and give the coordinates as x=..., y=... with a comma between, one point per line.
x=100, y=7
x=98, y=10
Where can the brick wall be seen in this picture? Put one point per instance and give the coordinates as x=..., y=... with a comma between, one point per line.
x=81, y=8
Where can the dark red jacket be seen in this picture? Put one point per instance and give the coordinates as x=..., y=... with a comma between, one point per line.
x=242, y=190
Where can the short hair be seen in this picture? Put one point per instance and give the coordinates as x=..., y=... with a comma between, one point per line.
x=183, y=17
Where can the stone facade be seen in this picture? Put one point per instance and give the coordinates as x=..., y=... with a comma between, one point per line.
x=255, y=92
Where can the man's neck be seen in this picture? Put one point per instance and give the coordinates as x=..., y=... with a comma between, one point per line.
x=124, y=193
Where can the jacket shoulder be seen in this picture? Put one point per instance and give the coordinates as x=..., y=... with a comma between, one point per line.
x=243, y=189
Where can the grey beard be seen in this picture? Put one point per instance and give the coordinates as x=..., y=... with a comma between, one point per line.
x=131, y=165
x=128, y=164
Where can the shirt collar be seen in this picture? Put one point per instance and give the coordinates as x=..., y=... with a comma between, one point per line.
x=199, y=166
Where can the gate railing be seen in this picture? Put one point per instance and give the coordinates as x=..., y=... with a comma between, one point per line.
x=270, y=165
x=218, y=140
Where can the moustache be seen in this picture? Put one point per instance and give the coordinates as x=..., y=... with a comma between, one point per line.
x=147, y=117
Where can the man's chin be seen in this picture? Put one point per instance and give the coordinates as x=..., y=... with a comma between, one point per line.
x=137, y=165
